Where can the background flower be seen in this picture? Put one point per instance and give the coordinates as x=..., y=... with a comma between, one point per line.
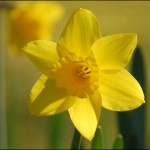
x=32, y=20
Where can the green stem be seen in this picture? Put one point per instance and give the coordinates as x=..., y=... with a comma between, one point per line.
x=3, y=124
x=76, y=141
x=4, y=7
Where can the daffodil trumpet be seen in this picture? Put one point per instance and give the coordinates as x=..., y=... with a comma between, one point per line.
x=84, y=72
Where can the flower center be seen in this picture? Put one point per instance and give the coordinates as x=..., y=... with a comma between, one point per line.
x=79, y=76
x=83, y=72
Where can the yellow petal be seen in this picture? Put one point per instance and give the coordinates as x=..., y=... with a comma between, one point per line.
x=114, y=52
x=120, y=91
x=85, y=113
x=43, y=54
x=47, y=99
x=80, y=33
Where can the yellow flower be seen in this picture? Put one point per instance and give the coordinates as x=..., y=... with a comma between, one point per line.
x=32, y=21
x=83, y=72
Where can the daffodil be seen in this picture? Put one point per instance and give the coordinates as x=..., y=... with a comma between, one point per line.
x=83, y=72
x=32, y=21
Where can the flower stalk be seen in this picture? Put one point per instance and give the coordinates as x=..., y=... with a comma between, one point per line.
x=76, y=141
x=3, y=122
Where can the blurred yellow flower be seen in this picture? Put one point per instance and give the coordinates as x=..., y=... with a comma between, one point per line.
x=83, y=72
x=32, y=21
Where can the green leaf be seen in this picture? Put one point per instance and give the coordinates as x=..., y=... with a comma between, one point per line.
x=56, y=128
x=132, y=123
x=118, y=143
x=138, y=115
x=98, y=141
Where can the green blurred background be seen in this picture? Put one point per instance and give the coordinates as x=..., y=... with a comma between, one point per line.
x=25, y=131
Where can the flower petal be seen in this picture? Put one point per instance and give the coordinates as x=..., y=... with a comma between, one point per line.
x=120, y=91
x=43, y=54
x=80, y=33
x=85, y=113
x=47, y=99
x=114, y=52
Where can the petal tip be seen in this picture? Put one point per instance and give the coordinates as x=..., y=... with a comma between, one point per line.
x=143, y=101
x=82, y=9
x=134, y=36
x=29, y=44
x=89, y=137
